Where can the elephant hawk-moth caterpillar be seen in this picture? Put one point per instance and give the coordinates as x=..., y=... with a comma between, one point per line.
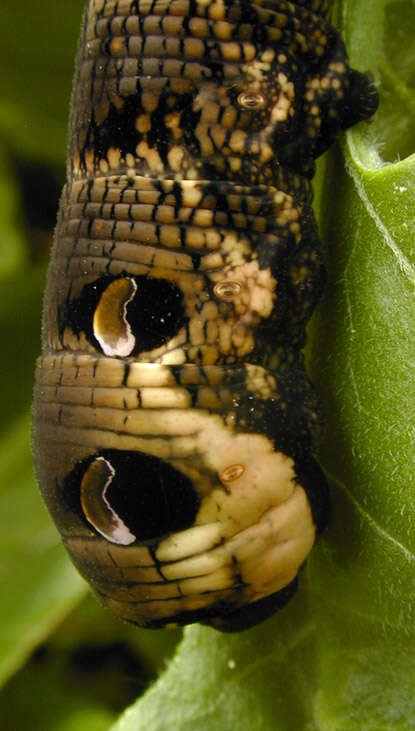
x=174, y=424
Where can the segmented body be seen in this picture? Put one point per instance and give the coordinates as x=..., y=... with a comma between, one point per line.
x=174, y=422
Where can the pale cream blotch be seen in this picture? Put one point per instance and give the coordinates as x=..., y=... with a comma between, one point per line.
x=256, y=522
x=265, y=481
x=256, y=294
x=283, y=108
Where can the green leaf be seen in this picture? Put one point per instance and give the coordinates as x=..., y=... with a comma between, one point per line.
x=37, y=50
x=37, y=583
x=257, y=680
x=363, y=366
x=13, y=249
x=89, y=669
x=20, y=313
x=47, y=695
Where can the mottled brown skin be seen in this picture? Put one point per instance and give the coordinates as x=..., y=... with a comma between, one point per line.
x=174, y=422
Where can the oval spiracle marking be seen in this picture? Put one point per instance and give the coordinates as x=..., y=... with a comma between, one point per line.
x=251, y=100
x=174, y=423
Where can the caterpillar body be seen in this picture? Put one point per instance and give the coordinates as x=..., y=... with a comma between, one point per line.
x=174, y=424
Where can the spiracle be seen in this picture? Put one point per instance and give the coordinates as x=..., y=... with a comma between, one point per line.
x=174, y=423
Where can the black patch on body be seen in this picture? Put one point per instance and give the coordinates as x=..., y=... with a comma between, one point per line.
x=155, y=313
x=151, y=497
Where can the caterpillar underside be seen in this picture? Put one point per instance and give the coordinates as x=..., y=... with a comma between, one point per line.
x=174, y=424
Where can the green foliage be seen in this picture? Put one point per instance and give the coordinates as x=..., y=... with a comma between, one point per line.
x=340, y=656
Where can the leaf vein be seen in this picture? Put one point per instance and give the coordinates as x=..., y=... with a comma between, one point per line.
x=404, y=263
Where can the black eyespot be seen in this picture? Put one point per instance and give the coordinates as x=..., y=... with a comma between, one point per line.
x=123, y=316
x=130, y=497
